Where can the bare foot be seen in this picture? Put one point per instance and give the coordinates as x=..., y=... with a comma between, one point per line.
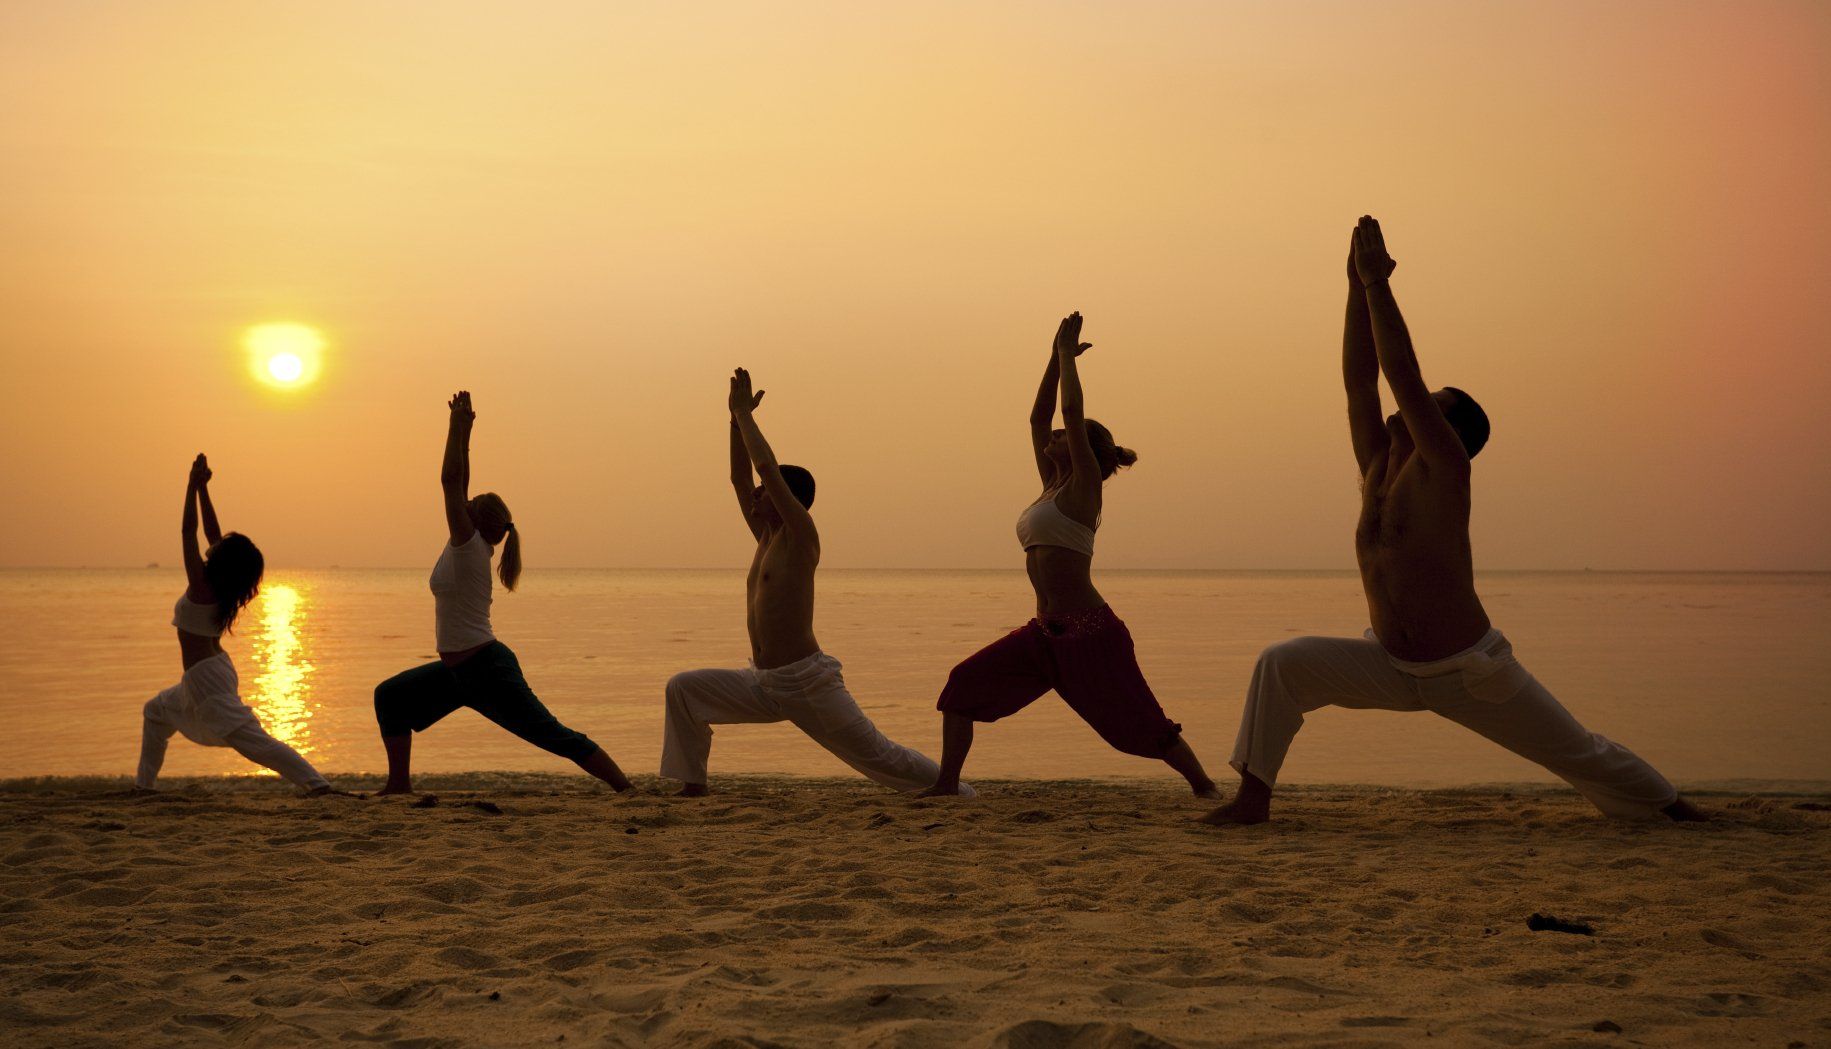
x=692, y=790
x=393, y=789
x=1682, y=811
x=942, y=790
x=1237, y=812
x=1252, y=803
x=1210, y=791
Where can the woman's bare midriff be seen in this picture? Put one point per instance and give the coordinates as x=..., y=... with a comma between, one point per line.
x=195, y=648
x=1062, y=579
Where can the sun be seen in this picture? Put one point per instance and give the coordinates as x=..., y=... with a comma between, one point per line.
x=284, y=354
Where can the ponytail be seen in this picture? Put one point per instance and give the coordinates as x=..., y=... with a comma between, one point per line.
x=492, y=514
x=509, y=567
x=1107, y=452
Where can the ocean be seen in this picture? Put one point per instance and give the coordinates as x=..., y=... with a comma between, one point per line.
x=1713, y=677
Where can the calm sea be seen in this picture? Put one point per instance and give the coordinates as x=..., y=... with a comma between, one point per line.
x=1710, y=676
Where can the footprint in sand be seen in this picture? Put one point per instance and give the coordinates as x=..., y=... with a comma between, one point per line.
x=453, y=890
x=1375, y=1021
x=569, y=960
x=1727, y=941
x=467, y=958
x=1046, y=1034
x=808, y=911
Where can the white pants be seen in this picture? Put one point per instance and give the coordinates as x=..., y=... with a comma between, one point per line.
x=811, y=693
x=1483, y=688
x=206, y=707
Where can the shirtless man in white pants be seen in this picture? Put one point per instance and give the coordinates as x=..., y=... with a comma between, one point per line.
x=789, y=678
x=1431, y=646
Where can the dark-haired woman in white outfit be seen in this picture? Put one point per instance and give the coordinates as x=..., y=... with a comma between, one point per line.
x=206, y=704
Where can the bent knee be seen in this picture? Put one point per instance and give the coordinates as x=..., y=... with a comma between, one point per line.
x=1294, y=651
x=965, y=685
x=386, y=698
x=390, y=710
x=677, y=693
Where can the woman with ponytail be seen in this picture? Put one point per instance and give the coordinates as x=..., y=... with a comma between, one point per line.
x=1075, y=645
x=206, y=704
x=473, y=669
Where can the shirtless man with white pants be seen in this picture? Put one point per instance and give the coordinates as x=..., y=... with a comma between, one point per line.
x=1431, y=646
x=789, y=678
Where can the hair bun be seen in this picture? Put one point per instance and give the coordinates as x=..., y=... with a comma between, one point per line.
x=1125, y=456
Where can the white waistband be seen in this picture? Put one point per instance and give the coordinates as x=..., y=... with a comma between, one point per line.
x=1492, y=647
x=809, y=666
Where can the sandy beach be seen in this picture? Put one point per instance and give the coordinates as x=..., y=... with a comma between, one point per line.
x=530, y=910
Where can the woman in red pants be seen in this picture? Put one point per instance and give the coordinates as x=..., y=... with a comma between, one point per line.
x=1075, y=645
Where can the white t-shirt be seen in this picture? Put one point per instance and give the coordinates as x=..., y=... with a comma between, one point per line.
x=461, y=595
x=193, y=618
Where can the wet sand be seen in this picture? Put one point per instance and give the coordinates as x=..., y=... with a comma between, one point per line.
x=805, y=912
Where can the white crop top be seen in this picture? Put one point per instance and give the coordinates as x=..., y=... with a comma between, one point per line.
x=193, y=618
x=461, y=595
x=1044, y=524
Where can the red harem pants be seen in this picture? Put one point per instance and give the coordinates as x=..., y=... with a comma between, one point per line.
x=1087, y=657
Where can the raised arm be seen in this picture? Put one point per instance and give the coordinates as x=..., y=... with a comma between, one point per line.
x=1360, y=373
x=1042, y=418
x=1084, y=483
x=1431, y=433
x=197, y=587
x=200, y=472
x=795, y=519
x=454, y=474
x=741, y=479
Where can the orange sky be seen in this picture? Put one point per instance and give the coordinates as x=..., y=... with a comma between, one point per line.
x=1611, y=223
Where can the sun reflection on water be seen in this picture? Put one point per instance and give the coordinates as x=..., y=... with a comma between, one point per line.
x=282, y=690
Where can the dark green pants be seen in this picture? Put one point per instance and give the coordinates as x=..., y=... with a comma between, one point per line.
x=490, y=683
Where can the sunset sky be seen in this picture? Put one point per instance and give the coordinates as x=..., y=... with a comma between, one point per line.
x=1612, y=222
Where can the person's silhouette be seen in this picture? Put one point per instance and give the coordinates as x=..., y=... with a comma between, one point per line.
x=1431, y=646
x=206, y=704
x=474, y=669
x=789, y=678
x=1076, y=645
